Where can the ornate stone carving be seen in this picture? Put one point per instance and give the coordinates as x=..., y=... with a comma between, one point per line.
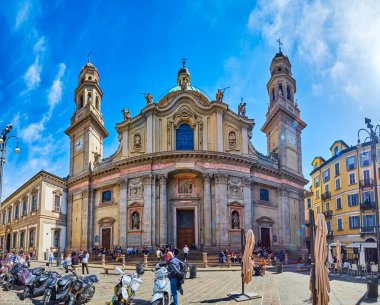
x=221, y=179
x=137, y=141
x=147, y=180
x=235, y=219
x=163, y=179
x=235, y=191
x=122, y=183
x=207, y=178
x=232, y=143
x=185, y=186
x=135, y=217
x=134, y=181
x=85, y=194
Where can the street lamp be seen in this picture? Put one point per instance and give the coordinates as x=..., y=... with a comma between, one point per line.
x=373, y=136
x=4, y=138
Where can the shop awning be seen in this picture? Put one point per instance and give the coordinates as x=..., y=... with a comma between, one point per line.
x=364, y=245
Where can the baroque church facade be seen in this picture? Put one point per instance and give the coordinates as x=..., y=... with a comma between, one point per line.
x=186, y=171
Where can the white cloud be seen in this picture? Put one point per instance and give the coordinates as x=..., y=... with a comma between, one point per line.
x=40, y=46
x=339, y=40
x=55, y=92
x=23, y=14
x=32, y=76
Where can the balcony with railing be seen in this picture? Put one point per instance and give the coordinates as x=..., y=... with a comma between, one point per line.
x=330, y=233
x=328, y=214
x=367, y=205
x=366, y=183
x=368, y=230
x=326, y=195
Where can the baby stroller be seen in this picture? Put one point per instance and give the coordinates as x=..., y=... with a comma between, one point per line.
x=257, y=271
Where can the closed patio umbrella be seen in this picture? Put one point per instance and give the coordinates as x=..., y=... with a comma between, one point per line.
x=322, y=284
x=338, y=255
x=247, y=261
x=362, y=261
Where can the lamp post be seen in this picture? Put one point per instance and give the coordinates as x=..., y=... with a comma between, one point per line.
x=373, y=136
x=4, y=138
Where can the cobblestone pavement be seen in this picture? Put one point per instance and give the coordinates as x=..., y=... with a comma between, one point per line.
x=211, y=287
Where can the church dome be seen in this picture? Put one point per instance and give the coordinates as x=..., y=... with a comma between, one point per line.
x=183, y=70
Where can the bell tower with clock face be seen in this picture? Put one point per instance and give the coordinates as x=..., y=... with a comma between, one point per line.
x=86, y=130
x=283, y=125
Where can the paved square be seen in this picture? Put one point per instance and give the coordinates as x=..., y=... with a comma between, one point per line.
x=211, y=287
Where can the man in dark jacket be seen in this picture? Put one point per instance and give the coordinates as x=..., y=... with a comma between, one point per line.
x=175, y=275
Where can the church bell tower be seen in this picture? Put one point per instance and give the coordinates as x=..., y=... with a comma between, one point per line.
x=283, y=125
x=86, y=130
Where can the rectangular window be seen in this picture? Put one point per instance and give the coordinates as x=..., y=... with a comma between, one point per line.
x=106, y=196
x=31, y=238
x=327, y=188
x=34, y=203
x=327, y=206
x=328, y=223
x=337, y=184
x=339, y=204
x=353, y=200
x=352, y=178
x=317, y=195
x=3, y=222
x=369, y=220
x=365, y=158
x=351, y=162
x=14, y=240
x=22, y=239
x=337, y=169
x=326, y=175
x=354, y=222
x=309, y=203
x=24, y=207
x=16, y=211
x=57, y=203
x=264, y=195
x=368, y=196
x=9, y=215
x=340, y=224
x=316, y=181
x=366, y=175
x=56, y=239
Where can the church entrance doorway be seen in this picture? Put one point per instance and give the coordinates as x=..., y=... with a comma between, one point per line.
x=185, y=228
x=106, y=238
x=265, y=237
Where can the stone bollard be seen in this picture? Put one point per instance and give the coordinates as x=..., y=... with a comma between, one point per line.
x=103, y=259
x=145, y=260
x=228, y=260
x=286, y=258
x=123, y=260
x=204, y=259
x=61, y=256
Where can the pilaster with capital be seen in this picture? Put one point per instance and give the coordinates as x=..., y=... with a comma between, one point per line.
x=207, y=211
x=221, y=209
x=247, y=195
x=69, y=219
x=283, y=200
x=163, y=210
x=146, y=235
x=123, y=204
x=302, y=218
x=153, y=211
x=85, y=219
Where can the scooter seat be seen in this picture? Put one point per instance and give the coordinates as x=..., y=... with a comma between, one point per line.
x=64, y=280
x=38, y=271
x=43, y=278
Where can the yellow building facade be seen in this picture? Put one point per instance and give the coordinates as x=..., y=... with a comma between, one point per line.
x=343, y=189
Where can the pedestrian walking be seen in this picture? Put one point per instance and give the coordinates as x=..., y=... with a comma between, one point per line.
x=185, y=253
x=176, y=276
x=51, y=256
x=175, y=251
x=85, y=258
x=158, y=254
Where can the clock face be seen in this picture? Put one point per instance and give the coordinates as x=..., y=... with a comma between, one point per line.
x=78, y=145
x=292, y=140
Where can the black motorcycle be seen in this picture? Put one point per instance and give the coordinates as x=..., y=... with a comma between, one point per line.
x=37, y=287
x=82, y=289
x=57, y=288
x=16, y=276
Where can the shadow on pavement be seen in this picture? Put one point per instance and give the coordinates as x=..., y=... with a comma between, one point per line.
x=141, y=302
x=212, y=301
x=364, y=300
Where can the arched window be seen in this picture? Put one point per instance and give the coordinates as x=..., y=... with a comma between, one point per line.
x=288, y=93
x=235, y=220
x=135, y=220
x=97, y=103
x=184, y=137
x=273, y=97
x=280, y=91
x=80, y=102
x=89, y=97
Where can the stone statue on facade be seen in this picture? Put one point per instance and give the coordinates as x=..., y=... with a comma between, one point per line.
x=184, y=85
x=241, y=109
x=126, y=114
x=220, y=94
x=235, y=220
x=149, y=98
x=135, y=221
x=97, y=157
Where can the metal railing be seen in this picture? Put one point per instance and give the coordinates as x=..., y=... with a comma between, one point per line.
x=367, y=205
x=368, y=229
x=366, y=183
x=326, y=195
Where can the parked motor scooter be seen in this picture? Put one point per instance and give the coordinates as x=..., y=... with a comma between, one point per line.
x=57, y=288
x=162, y=294
x=38, y=285
x=17, y=276
x=125, y=290
x=82, y=289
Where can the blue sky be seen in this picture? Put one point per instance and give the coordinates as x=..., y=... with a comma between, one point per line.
x=333, y=46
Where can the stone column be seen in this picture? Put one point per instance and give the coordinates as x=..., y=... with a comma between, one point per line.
x=91, y=220
x=285, y=221
x=68, y=223
x=302, y=219
x=207, y=210
x=146, y=226
x=247, y=195
x=123, y=217
x=221, y=210
x=85, y=216
x=163, y=211
x=153, y=211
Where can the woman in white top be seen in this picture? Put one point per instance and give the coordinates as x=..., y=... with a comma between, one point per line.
x=85, y=261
